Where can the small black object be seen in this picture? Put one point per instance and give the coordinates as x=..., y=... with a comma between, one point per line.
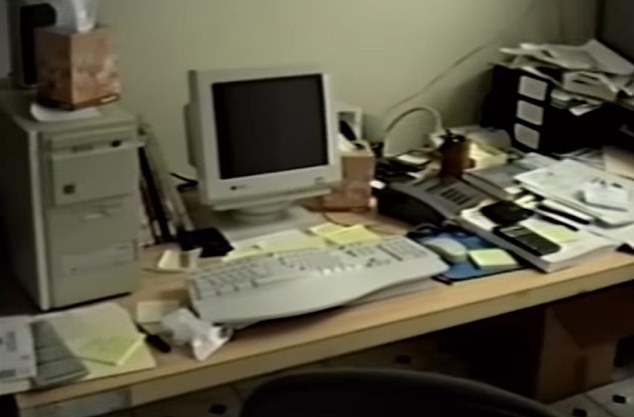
x=528, y=240
x=158, y=343
x=346, y=130
x=211, y=241
x=403, y=360
x=431, y=201
x=619, y=399
x=218, y=409
x=578, y=412
x=563, y=214
x=155, y=341
x=506, y=213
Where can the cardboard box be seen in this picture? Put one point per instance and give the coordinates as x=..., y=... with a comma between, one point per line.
x=76, y=70
x=580, y=340
x=355, y=192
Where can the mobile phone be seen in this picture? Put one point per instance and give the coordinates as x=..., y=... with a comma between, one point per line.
x=528, y=240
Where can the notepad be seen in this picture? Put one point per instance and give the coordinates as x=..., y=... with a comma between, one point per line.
x=78, y=326
x=492, y=259
x=110, y=350
x=351, y=235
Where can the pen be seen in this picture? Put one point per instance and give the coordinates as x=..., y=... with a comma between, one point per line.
x=154, y=340
x=563, y=214
x=558, y=222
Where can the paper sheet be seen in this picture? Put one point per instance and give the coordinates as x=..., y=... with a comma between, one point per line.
x=17, y=350
x=326, y=229
x=102, y=320
x=592, y=56
x=563, y=182
x=148, y=312
x=351, y=235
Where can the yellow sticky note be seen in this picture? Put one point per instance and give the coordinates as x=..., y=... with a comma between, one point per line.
x=353, y=234
x=326, y=229
x=558, y=234
x=304, y=243
x=110, y=350
x=492, y=258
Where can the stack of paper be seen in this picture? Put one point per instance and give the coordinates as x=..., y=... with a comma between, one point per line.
x=576, y=247
x=17, y=354
x=106, y=339
x=564, y=181
x=591, y=69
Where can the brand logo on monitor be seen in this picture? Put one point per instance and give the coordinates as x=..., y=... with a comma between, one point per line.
x=238, y=187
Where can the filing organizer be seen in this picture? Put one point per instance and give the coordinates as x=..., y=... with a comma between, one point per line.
x=69, y=205
x=522, y=104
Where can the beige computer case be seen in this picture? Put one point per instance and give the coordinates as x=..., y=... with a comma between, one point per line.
x=68, y=203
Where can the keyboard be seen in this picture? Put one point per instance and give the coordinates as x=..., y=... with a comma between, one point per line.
x=295, y=283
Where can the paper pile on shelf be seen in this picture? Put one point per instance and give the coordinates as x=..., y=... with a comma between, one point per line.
x=586, y=75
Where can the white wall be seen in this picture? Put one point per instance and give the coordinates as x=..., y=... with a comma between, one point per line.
x=379, y=51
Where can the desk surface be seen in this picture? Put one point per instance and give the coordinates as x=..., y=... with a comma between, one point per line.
x=278, y=345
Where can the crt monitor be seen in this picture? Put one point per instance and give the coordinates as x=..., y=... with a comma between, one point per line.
x=262, y=139
x=615, y=26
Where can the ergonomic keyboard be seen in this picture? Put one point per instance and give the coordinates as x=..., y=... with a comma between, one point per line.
x=295, y=283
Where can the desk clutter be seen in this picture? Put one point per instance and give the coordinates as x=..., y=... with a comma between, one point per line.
x=39, y=352
x=480, y=202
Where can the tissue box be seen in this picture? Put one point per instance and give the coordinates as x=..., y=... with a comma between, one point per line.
x=76, y=70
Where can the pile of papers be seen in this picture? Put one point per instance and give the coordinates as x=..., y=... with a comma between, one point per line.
x=586, y=75
x=576, y=247
x=586, y=210
x=101, y=339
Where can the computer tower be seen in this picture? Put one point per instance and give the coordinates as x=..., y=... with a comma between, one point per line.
x=69, y=205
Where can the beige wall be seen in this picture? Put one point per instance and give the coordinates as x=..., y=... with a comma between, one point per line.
x=379, y=51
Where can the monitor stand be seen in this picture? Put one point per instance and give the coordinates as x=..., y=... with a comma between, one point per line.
x=248, y=224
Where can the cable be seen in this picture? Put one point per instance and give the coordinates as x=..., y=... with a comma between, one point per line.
x=464, y=58
x=186, y=180
x=438, y=124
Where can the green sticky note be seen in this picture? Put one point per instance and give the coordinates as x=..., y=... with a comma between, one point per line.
x=558, y=234
x=110, y=350
x=492, y=259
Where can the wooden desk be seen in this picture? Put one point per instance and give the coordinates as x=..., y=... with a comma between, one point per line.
x=275, y=346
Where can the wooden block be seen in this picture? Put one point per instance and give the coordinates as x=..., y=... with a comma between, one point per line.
x=76, y=70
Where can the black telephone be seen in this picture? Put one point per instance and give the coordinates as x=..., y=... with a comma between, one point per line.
x=431, y=201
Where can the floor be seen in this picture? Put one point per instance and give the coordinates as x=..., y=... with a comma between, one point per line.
x=616, y=400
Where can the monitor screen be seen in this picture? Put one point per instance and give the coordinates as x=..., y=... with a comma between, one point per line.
x=270, y=125
x=616, y=28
